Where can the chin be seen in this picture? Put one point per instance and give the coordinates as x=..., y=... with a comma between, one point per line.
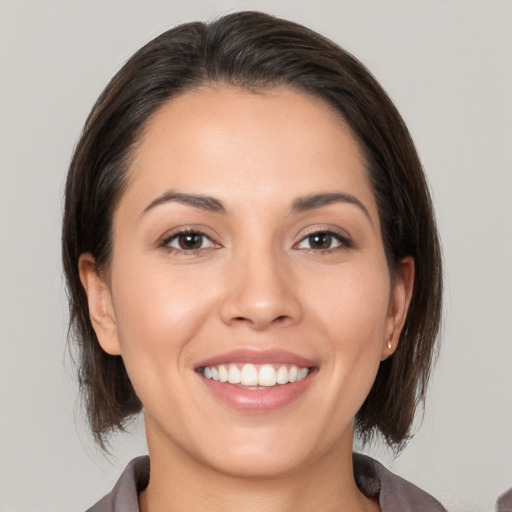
x=259, y=464
x=272, y=452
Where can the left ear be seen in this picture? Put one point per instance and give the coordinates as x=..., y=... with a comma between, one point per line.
x=402, y=285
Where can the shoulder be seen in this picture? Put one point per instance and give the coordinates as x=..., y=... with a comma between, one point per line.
x=394, y=493
x=124, y=497
x=504, y=502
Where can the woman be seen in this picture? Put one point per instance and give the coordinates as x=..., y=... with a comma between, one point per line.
x=252, y=258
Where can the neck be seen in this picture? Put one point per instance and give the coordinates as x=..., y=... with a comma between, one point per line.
x=179, y=482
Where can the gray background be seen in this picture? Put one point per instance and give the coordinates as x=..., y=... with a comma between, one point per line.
x=448, y=67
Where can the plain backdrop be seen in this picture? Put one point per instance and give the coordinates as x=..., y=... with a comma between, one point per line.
x=448, y=67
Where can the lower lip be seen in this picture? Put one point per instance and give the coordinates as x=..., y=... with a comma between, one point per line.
x=260, y=399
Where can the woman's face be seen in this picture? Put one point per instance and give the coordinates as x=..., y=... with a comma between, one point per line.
x=247, y=247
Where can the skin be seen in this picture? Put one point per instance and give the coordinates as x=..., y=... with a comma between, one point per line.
x=257, y=281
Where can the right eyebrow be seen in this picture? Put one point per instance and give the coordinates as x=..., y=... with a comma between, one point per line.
x=314, y=201
x=207, y=203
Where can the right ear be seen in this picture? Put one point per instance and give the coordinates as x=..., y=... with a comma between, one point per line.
x=99, y=299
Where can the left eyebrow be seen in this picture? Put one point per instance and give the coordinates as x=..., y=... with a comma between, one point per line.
x=207, y=203
x=311, y=202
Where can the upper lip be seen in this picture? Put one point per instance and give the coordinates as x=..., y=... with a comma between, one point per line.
x=272, y=356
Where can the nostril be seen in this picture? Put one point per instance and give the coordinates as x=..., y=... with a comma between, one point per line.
x=277, y=320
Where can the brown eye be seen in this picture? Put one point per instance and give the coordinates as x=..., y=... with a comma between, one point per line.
x=189, y=241
x=322, y=241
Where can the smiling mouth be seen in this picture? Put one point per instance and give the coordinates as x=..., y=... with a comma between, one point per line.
x=255, y=376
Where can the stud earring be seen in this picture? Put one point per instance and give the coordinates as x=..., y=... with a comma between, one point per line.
x=389, y=344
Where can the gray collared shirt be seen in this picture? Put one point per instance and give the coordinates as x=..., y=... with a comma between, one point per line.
x=393, y=492
x=504, y=503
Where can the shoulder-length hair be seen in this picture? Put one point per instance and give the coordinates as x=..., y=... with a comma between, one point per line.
x=254, y=51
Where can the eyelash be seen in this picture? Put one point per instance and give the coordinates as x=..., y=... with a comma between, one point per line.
x=343, y=242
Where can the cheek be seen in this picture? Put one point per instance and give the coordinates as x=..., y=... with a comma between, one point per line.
x=350, y=310
x=158, y=309
x=352, y=301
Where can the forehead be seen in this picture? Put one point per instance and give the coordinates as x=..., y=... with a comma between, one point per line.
x=231, y=143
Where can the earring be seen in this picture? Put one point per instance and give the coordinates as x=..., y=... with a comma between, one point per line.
x=389, y=344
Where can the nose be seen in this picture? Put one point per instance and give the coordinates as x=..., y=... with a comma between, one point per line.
x=260, y=291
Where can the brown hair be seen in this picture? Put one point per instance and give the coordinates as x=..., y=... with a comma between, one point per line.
x=254, y=51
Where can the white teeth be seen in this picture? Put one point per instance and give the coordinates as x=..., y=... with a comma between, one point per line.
x=268, y=376
x=250, y=375
x=282, y=375
x=223, y=373
x=303, y=372
x=234, y=376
